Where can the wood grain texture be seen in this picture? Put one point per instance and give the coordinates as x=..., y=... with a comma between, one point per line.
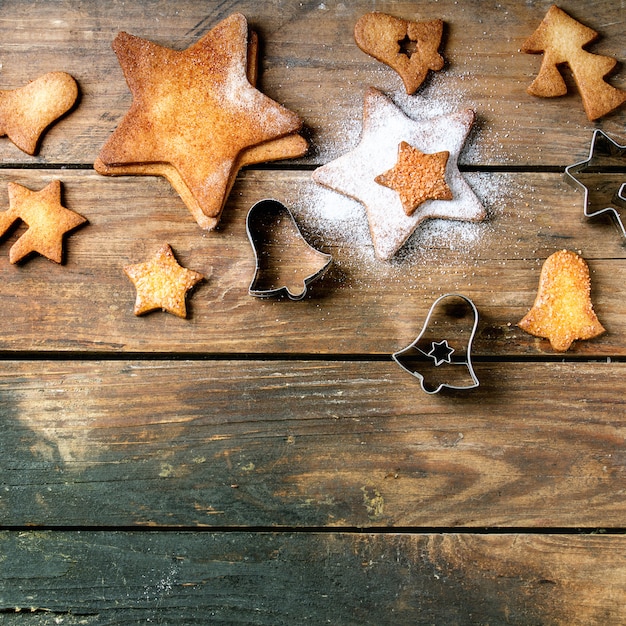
x=162, y=450
x=361, y=306
x=311, y=64
x=309, y=444
x=268, y=578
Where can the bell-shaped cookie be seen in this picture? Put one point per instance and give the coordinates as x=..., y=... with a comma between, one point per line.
x=441, y=355
x=26, y=112
x=563, y=311
x=409, y=48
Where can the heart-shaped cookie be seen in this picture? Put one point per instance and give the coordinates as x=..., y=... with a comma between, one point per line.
x=410, y=48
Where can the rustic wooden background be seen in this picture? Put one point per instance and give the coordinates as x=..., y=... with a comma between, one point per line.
x=266, y=462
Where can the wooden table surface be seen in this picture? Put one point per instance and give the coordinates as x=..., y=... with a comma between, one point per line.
x=265, y=461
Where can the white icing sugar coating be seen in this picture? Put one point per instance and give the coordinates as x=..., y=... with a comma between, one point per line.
x=384, y=127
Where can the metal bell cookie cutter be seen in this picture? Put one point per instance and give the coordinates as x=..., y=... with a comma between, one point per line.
x=286, y=264
x=597, y=174
x=441, y=355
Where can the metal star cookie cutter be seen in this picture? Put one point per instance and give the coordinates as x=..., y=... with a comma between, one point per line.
x=286, y=264
x=441, y=355
x=596, y=175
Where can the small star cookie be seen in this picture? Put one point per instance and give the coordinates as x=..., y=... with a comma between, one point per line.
x=417, y=177
x=47, y=220
x=162, y=283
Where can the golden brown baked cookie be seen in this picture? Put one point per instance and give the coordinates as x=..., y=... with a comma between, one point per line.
x=561, y=39
x=417, y=177
x=409, y=48
x=563, y=311
x=47, y=220
x=291, y=146
x=162, y=283
x=194, y=114
x=27, y=111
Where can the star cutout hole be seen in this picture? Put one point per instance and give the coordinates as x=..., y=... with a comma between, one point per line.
x=408, y=46
x=440, y=352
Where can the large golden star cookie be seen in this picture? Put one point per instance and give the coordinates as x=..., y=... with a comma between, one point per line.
x=47, y=220
x=162, y=283
x=196, y=117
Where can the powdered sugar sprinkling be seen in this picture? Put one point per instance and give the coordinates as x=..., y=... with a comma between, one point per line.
x=440, y=252
x=338, y=224
x=384, y=128
x=336, y=220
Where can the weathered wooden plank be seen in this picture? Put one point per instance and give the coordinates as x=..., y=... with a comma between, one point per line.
x=311, y=64
x=267, y=578
x=361, y=306
x=309, y=444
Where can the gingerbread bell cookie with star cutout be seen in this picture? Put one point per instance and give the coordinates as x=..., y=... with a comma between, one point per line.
x=197, y=118
x=409, y=48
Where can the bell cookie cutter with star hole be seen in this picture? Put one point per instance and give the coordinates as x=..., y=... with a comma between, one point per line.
x=597, y=176
x=286, y=264
x=441, y=355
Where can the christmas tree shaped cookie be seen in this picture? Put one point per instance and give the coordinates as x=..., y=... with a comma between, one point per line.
x=561, y=39
x=27, y=111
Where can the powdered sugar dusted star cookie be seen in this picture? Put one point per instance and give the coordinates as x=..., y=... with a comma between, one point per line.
x=385, y=130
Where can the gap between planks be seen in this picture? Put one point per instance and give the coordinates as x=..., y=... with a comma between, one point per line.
x=328, y=530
